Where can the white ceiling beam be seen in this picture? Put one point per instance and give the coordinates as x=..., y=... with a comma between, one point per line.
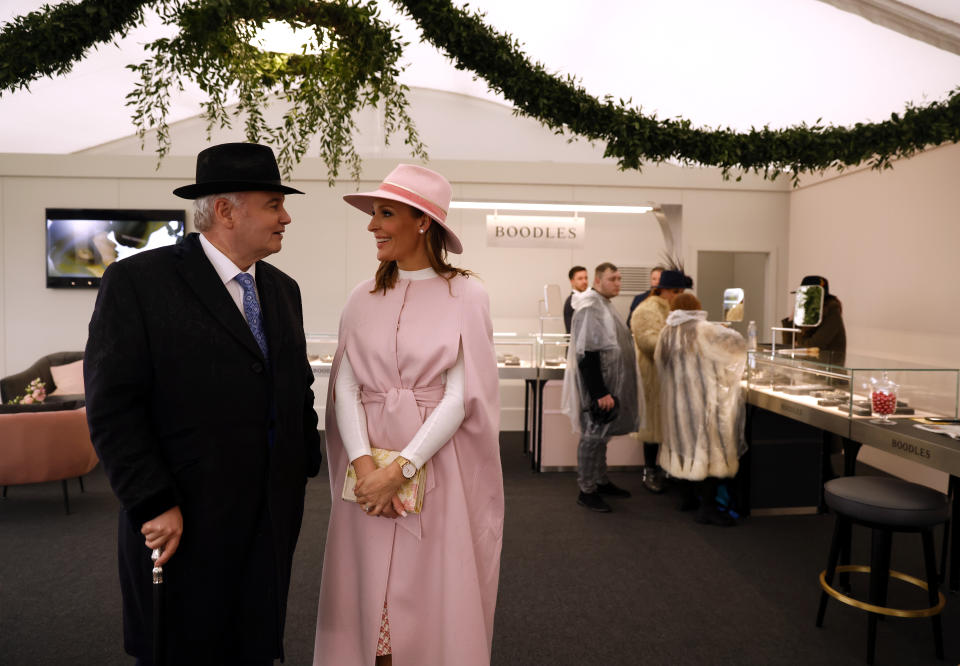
x=907, y=20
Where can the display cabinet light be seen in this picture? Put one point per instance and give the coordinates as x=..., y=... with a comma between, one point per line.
x=543, y=207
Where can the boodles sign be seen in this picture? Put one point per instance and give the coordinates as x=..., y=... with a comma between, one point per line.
x=535, y=231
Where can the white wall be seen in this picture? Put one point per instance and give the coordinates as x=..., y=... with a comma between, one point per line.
x=450, y=125
x=889, y=242
x=737, y=221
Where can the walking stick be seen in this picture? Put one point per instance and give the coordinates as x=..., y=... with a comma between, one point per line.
x=157, y=608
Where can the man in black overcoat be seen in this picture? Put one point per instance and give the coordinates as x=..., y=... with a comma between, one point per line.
x=199, y=404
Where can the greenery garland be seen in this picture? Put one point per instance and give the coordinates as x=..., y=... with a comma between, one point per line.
x=47, y=42
x=357, y=66
x=632, y=137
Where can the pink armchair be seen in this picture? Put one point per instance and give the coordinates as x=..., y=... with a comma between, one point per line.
x=38, y=446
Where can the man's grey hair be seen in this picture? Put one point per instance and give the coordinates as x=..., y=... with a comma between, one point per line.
x=203, y=208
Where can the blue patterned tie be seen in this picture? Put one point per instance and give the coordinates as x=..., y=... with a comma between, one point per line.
x=251, y=308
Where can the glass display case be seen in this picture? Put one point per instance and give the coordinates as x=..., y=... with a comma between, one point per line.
x=552, y=354
x=516, y=355
x=829, y=390
x=320, y=350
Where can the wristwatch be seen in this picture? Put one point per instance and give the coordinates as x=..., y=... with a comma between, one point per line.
x=407, y=468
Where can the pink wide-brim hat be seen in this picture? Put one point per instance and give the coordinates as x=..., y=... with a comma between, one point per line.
x=415, y=186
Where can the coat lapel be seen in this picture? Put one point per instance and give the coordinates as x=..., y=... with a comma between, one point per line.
x=198, y=272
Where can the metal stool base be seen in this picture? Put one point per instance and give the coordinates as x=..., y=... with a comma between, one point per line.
x=882, y=610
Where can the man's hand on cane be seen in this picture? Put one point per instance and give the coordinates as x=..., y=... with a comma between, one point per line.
x=164, y=532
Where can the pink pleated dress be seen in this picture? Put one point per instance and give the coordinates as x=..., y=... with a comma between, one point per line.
x=437, y=571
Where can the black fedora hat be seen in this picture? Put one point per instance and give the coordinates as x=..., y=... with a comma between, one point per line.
x=235, y=167
x=675, y=280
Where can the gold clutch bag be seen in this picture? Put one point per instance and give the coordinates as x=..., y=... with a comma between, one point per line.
x=410, y=493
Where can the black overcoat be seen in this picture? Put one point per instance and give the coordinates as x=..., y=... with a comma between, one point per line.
x=185, y=411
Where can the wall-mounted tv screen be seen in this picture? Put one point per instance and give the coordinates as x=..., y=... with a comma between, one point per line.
x=82, y=242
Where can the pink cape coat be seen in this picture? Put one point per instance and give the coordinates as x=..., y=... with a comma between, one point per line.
x=438, y=570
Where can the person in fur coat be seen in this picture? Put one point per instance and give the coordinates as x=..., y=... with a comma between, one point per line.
x=702, y=411
x=646, y=322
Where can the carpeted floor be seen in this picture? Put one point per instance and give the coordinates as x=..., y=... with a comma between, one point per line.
x=644, y=584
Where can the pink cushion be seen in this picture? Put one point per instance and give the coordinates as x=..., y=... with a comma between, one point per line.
x=68, y=378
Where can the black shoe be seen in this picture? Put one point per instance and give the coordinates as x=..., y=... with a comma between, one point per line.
x=665, y=479
x=612, y=490
x=714, y=516
x=594, y=502
x=652, y=481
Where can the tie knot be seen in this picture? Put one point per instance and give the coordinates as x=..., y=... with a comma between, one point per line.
x=245, y=280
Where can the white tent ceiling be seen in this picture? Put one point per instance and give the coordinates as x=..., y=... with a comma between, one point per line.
x=738, y=63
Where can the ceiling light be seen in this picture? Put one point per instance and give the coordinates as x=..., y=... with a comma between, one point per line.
x=574, y=208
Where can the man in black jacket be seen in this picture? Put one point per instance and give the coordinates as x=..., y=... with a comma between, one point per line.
x=655, y=273
x=199, y=404
x=578, y=284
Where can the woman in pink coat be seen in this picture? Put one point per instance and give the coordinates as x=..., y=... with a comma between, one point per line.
x=415, y=372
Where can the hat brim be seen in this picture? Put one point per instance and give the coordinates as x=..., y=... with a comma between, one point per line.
x=364, y=201
x=198, y=190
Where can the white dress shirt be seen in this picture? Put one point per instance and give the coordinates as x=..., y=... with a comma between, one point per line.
x=227, y=270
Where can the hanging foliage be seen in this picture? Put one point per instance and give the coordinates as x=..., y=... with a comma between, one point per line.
x=355, y=65
x=352, y=63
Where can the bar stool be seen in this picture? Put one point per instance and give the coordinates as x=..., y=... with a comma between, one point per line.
x=886, y=505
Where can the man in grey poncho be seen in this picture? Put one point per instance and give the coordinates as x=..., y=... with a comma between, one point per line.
x=600, y=385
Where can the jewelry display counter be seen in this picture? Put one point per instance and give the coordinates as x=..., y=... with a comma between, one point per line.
x=516, y=355
x=536, y=359
x=839, y=395
x=832, y=392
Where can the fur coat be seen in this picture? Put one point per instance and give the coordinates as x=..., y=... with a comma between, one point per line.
x=646, y=322
x=701, y=402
